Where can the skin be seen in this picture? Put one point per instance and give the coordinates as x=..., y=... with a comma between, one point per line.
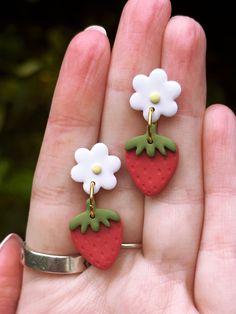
x=187, y=264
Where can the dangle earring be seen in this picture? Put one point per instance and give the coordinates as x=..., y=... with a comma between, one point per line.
x=151, y=158
x=96, y=232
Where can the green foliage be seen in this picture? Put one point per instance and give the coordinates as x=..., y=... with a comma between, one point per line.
x=30, y=61
x=159, y=143
x=84, y=219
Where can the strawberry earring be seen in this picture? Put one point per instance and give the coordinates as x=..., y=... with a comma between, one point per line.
x=152, y=158
x=96, y=232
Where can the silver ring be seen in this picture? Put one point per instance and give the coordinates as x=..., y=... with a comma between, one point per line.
x=55, y=264
x=131, y=245
x=60, y=264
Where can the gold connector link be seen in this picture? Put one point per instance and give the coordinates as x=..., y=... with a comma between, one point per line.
x=91, y=199
x=150, y=113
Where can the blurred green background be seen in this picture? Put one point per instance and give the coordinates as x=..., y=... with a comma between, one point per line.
x=33, y=38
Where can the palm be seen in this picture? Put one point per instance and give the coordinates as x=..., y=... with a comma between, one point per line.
x=170, y=274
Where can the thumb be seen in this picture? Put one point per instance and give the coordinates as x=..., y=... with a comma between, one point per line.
x=10, y=273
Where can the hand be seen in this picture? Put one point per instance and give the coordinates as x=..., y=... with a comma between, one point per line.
x=187, y=264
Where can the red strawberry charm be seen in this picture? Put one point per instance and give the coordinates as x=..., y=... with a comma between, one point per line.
x=96, y=232
x=151, y=165
x=98, y=238
x=152, y=158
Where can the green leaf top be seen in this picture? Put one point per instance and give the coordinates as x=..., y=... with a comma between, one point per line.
x=160, y=143
x=83, y=220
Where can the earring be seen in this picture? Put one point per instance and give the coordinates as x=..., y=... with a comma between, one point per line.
x=151, y=158
x=96, y=232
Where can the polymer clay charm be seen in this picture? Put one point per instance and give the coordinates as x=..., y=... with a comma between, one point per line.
x=151, y=158
x=96, y=232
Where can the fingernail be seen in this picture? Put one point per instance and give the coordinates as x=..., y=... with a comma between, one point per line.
x=9, y=237
x=97, y=28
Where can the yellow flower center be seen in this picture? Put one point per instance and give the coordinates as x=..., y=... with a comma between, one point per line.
x=96, y=169
x=155, y=97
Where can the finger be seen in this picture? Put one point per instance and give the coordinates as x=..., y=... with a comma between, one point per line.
x=74, y=122
x=173, y=219
x=10, y=273
x=216, y=274
x=137, y=49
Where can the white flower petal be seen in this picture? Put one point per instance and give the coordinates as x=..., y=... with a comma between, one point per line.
x=172, y=89
x=169, y=109
x=138, y=101
x=114, y=163
x=97, y=186
x=140, y=82
x=87, y=183
x=86, y=187
x=99, y=151
x=109, y=182
x=155, y=116
x=78, y=173
x=82, y=154
x=158, y=76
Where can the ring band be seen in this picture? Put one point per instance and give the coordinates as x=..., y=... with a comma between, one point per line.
x=60, y=264
x=131, y=245
x=55, y=264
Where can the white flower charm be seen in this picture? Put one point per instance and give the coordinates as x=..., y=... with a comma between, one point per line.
x=155, y=91
x=95, y=165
